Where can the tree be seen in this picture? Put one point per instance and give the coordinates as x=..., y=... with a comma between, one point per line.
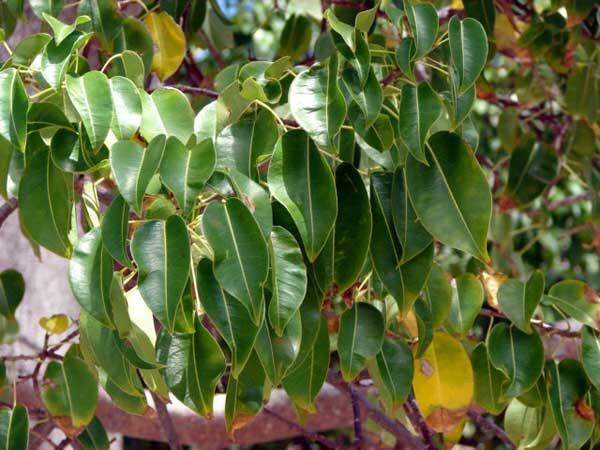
x=399, y=191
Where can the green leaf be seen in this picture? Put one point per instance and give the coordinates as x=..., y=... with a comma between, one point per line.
x=425, y=328
x=12, y=290
x=581, y=97
x=451, y=196
x=413, y=238
x=295, y=37
x=278, y=353
x=134, y=167
x=228, y=315
x=115, y=230
x=352, y=231
x=423, y=20
x=288, y=275
x=62, y=30
x=106, y=20
x=567, y=387
x=317, y=103
x=577, y=300
x=29, y=47
x=306, y=376
x=403, y=281
x=519, y=300
x=70, y=391
x=166, y=111
x=44, y=115
x=72, y=152
x=469, y=48
x=14, y=428
x=194, y=365
x=94, y=437
x=484, y=11
x=184, y=172
x=127, y=107
x=161, y=251
x=404, y=57
x=13, y=110
x=467, y=298
x=91, y=97
x=300, y=179
x=134, y=36
x=244, y=143
x=241, y=259
x=345, y=31
x=132, y=404
x=360, y=338
x=368, y=97
x=532, y=166
x=244, y=396
x=420, y=107
x=55, y=58
x=590, y=355
x=129, y=65
x=169, y=43
x=529, y=427
x=392, y=372
x=102, y=346
x=488, y=381
x=53, y=202
x=90, y=277
x=51, y=7
x=518, y=355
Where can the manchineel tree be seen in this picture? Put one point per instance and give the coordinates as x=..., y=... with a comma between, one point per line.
x=402, y=192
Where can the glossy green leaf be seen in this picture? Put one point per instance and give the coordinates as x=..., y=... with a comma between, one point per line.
x=413, y=238
x=106, y=19
x=132, y=404
x=425, y=327
x=14, y=428
x=403, y=281
x=70, y=391
x=62, y=30
x=115, y=230
x=576, y=299
x=317, y=103
x=243, y=144
x=590, y=355
x=228, y=315
x=194, y=365
x=134, y=37
x=489, y=381
x=127, y=112
x=456, y=185
x=368, y=97
x=184, y=172
x=41, y=7
x=300, y=179
x=134, y=167
x=241, y=258
x=295, y=37
x=519, y=300
x=161, y=252
x=529, y=427
x=129, y=65
x=420, y=107
x=166, y=111
x=55, y=58
x=467, y=298
x=44, y=115
x=468, y=47
x=567, y=387
x=360, y=338
x=423, y=20
x=72, y=152
x=91, y=97
x=28, y=48
x=46, y=193
x=392, y=372
x=13, y=110
x=244, y=395
x=288, y=275
x=94, y=437
x=518, y=355
x=484, y=11
x=12, y=290
x=306, y=377
x=278, y=353
x=90, y=277
x=352, y=232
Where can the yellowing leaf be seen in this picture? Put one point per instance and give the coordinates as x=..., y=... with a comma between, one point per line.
x=443, y=382
x=492, y=282
x=55, y=324
x=169, y=43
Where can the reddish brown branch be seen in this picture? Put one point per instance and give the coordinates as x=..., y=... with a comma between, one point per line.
x=197, y=91
x=213, y=50
x=315, y=437
x=490, y=427
x=166, y=424
x=416, y=418
x=7, y=209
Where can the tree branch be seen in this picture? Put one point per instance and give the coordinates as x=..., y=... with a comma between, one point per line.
x=543, y=326
x=197, y=91
x=7, y=209
x=325, y=442
x=416, y=418
x=213, y=50
x=358, y=431
x=490, y=427
x=166, y=424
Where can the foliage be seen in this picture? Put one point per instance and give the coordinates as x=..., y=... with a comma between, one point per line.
x=401, y=191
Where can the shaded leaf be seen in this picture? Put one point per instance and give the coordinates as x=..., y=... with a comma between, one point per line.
x=13, y=109
x=467, y=298
x=519, y=300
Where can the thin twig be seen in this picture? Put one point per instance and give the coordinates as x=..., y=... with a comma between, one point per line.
x=7, y=209
x=197, y=91
x=358, y=432
x=543, y=326
x=416, y=418
x=213, y=50
x=315, y=437
x=166, y=423
x=490, y=427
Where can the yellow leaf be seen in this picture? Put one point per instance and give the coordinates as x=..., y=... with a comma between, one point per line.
x=169, y=43
x=55, y=324
x=492, y=282
x=443, y=382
